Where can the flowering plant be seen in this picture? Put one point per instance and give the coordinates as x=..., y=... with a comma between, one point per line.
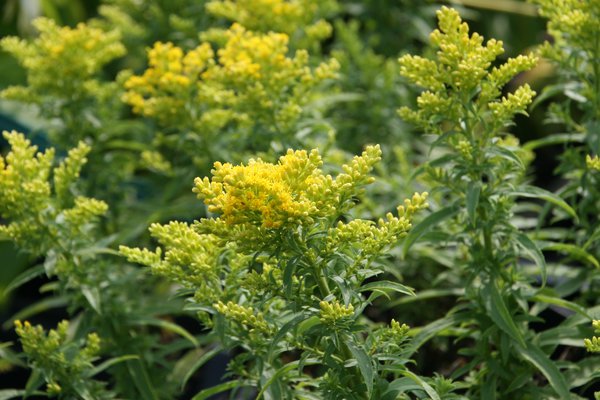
x=187, y=203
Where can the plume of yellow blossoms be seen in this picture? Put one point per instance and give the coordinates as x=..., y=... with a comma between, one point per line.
x=461, y=77
x=332, y=312
x=293, y=191
x=168, y=88
x=38, y=216
x=62, y=62
x=572, y=22
x=592, y=162
x=285, y=16
x=251, y=81
x=575, y=30
x=65, y=366
x=247, y=316
x=593, y=344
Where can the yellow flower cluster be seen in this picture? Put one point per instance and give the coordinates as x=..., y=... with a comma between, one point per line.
x=62, y=61
x=293, y=191
x=248, y=55
x=286, y=16
x=573, y=21
x=513, y=103
x=168, y=87
x=24, y=176
x=332, y=312
x=371, y=238
x=51, y=352
x=593, y=344
x=252, y=81
x=592, y=162
x=397, y=329
x=462, y=64
x=246, y=316
x=27, y=199
x=190, y=258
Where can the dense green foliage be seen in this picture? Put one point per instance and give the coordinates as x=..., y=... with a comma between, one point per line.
x=186, y=190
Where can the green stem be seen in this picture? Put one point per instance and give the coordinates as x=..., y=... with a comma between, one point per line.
x=596, y=67
x=322, y=281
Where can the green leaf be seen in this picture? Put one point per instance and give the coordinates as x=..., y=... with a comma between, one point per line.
x=109, y=363
x=549, y=92
x=166, y=325
x=24, y=277
x=365, y=365
x=557, y=301
x=499, y=313
x=6, y=394
x=9, y=356
x=288, y=274
x=34, y=381
x=206, y=393
x=428, y=389
x=383, y=286
x=11, y=393
x=430, y=221
x=142, y=381
x=490, y=385
x=92, y=295
x=554, y=140
x=472, y=199
x=429, y=331
x=508, y=6
x=578, y=97
x=401, y=385
x=308, y=324
x=36, y=308
x=547, y=367
x=586, y=371
x=426, y=295
x=574, y=251
x=534, y=252
x=83, y=392
x=283, y=331
x=281, y=371
x=593, y=237
x=507, y=154
x=199, y=363
x=539, y=193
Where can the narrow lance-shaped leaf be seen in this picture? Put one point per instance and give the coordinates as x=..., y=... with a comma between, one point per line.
x=499, y=313
x=573, y=251
x=364, y=365
x=534, y=252
x=472, y=199
x=548, y=368
x=539, y=193
x=429, y=222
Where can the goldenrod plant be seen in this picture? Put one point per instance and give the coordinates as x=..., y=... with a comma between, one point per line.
x=184, y=217
x=245, y=95
x=63, y=66
x=45, y=215
x=574, y=52
x=66, y=365
x=279, y=277
x=302, y=20
x=477, y=169
x=68, y=88
x=42, y=213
